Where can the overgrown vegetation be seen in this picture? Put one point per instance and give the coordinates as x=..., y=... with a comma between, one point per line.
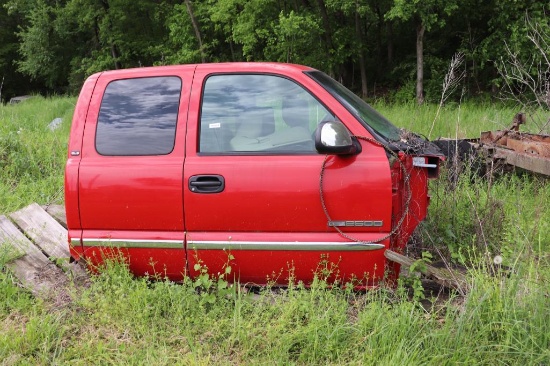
x=31, y=155
x=503, y=318
x=122, y=320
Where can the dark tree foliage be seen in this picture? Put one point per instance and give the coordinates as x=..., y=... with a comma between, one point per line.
x=12, y=81
x=375, y=47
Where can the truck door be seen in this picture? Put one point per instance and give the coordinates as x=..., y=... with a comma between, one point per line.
x=252, y=182
x=130, y=190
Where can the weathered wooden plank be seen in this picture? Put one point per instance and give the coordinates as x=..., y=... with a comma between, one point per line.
x=30, y=265
x=49, y=236
x=58, y=213
x=47, y=233
x=444, y=277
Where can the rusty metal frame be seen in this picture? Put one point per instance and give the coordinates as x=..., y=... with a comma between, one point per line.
x=523, y=150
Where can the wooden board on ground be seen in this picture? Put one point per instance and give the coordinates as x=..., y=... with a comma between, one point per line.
x=35, y=271
x=49, y=235
x=58, y=213
x=38, y=254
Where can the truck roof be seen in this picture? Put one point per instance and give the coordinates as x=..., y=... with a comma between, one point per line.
x=225, y=67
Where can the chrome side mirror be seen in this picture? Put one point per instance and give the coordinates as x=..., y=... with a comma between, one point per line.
x=333, y=138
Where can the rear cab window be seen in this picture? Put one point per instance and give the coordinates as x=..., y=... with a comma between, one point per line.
x=138, y=117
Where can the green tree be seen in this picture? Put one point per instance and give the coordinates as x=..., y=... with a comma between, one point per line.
x=119, y=33
x=62, y=42
x=425, y=15
x=510, y=30
x=8, y=54
x=355, y=19
x=200, y=31
x=254, y=26
x=296, y=38
x=44, y=53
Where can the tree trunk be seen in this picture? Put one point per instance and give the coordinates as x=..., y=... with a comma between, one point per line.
x=196, y=29
x=328, y=33
x=232, y=50
x=389, y=35
x=1, y=86
x=359, y=35
x=116, y=55
x=114, y=49
x=379, y=49
x=420, y=63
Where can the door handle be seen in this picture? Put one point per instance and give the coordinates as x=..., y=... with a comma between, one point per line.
x=206, y=183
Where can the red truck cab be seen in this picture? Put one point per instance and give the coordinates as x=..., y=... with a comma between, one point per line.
x=274, y=169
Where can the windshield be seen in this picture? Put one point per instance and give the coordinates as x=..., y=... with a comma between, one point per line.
x=370, y=118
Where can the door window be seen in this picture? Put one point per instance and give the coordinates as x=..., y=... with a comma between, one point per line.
x=138, y=117
x=258, y=114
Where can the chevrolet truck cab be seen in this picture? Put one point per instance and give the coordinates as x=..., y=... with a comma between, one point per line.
x=274, y=169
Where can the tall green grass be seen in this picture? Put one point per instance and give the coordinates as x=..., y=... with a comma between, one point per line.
x=122, y=320
x=31, y=156
x=508, y=216
x=454, y=120
x=503, y=319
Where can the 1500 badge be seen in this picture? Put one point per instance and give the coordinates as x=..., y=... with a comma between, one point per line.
x=356, y=223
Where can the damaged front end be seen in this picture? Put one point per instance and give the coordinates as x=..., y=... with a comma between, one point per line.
x=413, y=162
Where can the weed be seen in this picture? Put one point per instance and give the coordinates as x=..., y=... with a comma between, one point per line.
x=413, y=281
x=209, y=286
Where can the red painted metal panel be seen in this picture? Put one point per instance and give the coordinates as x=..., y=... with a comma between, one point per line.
x=72, y=208
x=356, y=263
x=156, y=263
x=152, y=253
x=131, y=193
x=125, y=197
x=279, y=195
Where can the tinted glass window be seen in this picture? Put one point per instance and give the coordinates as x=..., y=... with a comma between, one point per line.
x=258, y=113
x=358, y=107
x=138, y=116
